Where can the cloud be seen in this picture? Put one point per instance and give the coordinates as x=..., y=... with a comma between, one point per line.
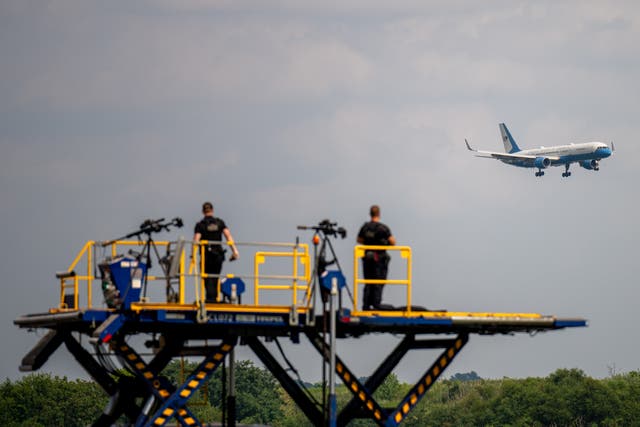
x=286, y=113
x=143, y=61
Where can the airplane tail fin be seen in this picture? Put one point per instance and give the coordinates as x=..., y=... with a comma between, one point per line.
x=510, y=145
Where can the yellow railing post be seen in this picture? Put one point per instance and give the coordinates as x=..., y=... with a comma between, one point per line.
x=203, y=274
x=76, y=294
x=406, y=254
x=181, y=276
x=89, y=274
x=257, y=260
x=358, y=253
x=295, y=275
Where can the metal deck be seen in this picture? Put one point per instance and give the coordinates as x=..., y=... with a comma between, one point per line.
x=278, y=321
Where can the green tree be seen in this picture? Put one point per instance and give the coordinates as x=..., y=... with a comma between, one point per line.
x=390, y=389
x=43, y=400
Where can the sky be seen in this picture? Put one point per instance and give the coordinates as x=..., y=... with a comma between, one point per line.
x=285, y=113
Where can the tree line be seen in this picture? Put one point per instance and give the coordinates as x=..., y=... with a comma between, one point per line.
x=567, y=397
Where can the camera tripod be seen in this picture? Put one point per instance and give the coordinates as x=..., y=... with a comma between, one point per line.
x=323, y=231
x=148, y=227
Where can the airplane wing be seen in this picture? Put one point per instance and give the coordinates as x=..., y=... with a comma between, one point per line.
x=508, y=157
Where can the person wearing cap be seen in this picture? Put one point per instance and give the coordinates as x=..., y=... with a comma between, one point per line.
x=375, y=263
x=212, y=229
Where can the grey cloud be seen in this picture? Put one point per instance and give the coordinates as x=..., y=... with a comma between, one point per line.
x=288, y=113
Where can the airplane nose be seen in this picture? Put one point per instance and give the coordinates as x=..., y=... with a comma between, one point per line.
x=604, y=152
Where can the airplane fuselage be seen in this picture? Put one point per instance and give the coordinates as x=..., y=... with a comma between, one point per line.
x=565, y=154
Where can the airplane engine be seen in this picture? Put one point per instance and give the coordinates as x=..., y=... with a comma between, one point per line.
x=590, y=164
x=541, y=162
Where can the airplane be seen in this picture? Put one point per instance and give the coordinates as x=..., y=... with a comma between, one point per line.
x=587, y=154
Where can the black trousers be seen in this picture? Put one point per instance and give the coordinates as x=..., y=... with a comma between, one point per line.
x=212, y=265
x=374, y=266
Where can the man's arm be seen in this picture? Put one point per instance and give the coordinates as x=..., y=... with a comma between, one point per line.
x=229, y=237
x=392, y=241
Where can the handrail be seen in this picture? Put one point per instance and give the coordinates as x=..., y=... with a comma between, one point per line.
x=359, y=252
x=300, y=272
x=70, y=273
x=298, y=278
x=71, y=301
x=297, y=258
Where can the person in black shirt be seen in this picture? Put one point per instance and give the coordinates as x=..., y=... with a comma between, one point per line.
x=212, y=229
x=375, y=262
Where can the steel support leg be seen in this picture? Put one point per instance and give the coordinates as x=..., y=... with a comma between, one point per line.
x=118, y=404
x=363, y=394
x=427, y=380
x=350, y=380
x=160, y=389
x=289, y=385
x=175, y=404
x=47, y=345
x=374, y=381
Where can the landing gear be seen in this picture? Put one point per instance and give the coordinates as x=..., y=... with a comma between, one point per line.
x=566, y=172
x=540, y=173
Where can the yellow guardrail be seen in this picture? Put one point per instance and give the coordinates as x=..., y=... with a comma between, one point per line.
x=299, y=257
x=71, y=301
x=70, y=280
x=359, y=253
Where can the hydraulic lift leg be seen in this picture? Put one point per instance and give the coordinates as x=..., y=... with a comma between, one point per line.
x=363, y=394
x=160, y=388
x=176, y=403
x=418, y=391
x=37, y=357
x=290, y=386
x=353, y=408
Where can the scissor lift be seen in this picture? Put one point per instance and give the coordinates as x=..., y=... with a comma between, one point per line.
x=211, y=331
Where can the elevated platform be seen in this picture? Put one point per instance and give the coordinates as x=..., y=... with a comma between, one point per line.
x=211, y=331
x=178, y=325
x=279, y=321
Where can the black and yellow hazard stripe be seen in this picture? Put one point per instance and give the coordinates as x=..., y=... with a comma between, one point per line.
x=199, y=376
x=418, y=391
x=358, y=390
x=167, y=413
x=141, y=368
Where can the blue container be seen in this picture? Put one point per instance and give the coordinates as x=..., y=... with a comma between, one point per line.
x=128, y=275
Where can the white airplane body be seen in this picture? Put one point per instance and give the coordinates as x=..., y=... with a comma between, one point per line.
x=587, y=154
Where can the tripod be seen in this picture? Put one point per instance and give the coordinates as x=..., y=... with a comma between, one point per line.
x=323, y=231
x=148, y=227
